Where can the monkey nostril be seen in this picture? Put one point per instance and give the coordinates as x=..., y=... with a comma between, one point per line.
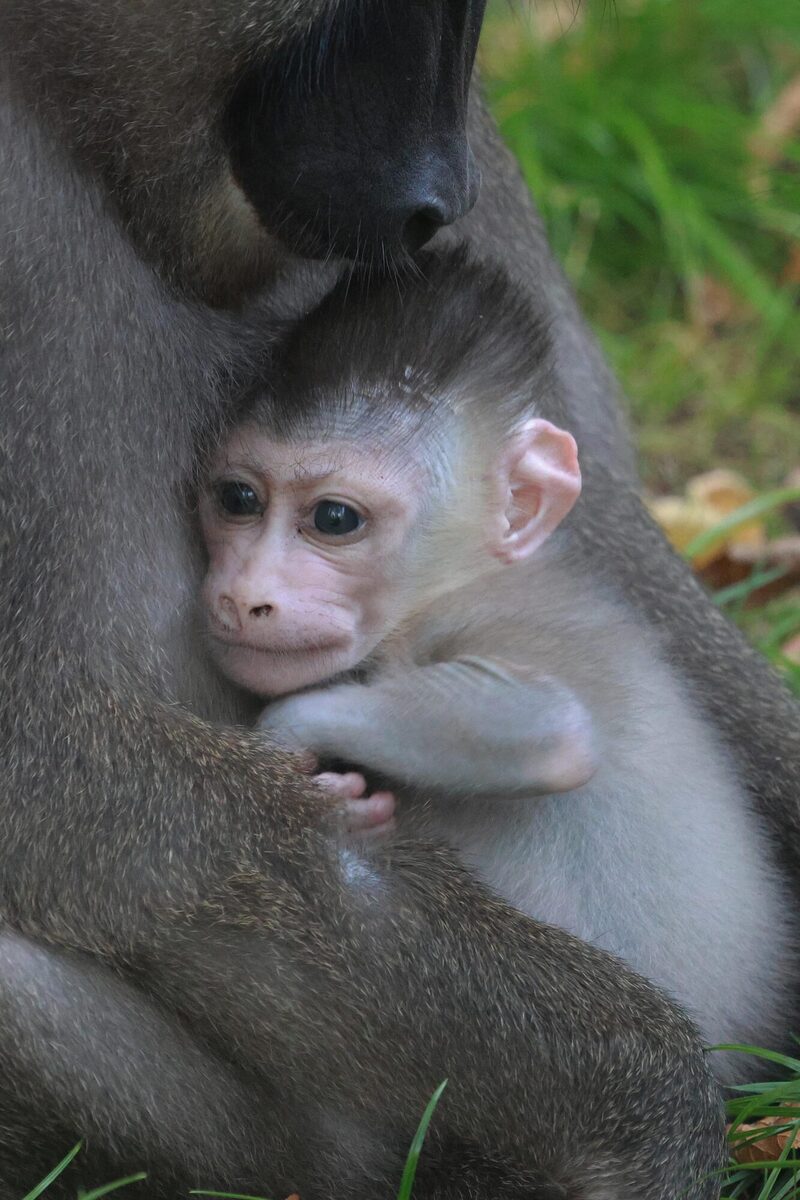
x=421, y=226
x=436, y=206
x=261, y=610
x=437, y=212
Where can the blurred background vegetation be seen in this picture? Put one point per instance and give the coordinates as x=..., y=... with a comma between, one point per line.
x=661, y=141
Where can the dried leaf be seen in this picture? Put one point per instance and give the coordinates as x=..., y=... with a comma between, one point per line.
x=725, y=491
x=709, y=498
x=791, y=270
x=780, y=122
x=682, y=520
x=781, y=552
x=722, y=488
x=766, y=1148
x=713, y=306
x=723, y=572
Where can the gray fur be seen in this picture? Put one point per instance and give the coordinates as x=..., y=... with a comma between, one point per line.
x=642, y=859
x=190, y=977
x=497, y=681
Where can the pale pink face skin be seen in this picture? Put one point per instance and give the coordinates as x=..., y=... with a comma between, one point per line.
x=287, y=605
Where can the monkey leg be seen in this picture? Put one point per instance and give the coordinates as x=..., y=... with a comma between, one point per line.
x=374, y=1047
x=84, y=1056
x=305, y=1000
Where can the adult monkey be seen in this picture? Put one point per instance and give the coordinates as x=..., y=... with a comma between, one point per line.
x=168, y=897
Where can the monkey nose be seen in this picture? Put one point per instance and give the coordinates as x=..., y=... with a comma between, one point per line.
x=420, y=223
x=439, y=199
x=420, y=227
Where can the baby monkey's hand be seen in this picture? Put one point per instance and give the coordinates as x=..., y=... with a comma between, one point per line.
x=370, y=816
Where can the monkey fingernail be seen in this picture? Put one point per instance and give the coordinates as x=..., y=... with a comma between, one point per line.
x=349, y=784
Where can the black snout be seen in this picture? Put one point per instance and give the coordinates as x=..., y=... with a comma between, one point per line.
x=441, y=198
x=419, y=226
x=356, y=143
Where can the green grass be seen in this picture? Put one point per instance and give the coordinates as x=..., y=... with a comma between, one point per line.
x=96, y=1193
x=772, y=1178
x=634, y=123
x=769, y=625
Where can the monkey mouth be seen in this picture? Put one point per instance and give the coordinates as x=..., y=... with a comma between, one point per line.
x=278, y=649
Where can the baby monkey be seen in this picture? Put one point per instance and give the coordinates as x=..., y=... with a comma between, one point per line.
x=326, y=521
x=388, y=566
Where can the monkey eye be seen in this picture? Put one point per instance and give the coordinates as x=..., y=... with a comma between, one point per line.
x=335, y=519
x=238, y=499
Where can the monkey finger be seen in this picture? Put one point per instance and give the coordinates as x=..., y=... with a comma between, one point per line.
x=348, y=784
x=369, y=814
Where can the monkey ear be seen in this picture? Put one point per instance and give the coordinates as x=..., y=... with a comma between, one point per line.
x=537, y=481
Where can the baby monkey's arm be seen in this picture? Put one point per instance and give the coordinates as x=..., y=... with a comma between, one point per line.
x=469, y=726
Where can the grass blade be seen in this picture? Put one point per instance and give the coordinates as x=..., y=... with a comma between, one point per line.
x=54, y=1174
x=783, y=1060
x=410, y=1169
x=107, y=1188
x=755, y=508
x=226, y=1195
x=744, y=589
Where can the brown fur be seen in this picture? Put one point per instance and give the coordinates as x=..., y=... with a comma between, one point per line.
x=191, y=978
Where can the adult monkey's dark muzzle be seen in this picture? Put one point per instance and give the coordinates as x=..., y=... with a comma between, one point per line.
x=354, y=142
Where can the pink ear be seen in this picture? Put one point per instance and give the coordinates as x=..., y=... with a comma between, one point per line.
x=538, y=481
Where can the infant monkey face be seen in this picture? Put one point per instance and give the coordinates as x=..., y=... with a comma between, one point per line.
x=306, y=553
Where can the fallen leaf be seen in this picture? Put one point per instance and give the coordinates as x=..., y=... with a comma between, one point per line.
x=724, y=491
x=709, y=498
x=766, y=1148
x=723, y=572
x=780, y=552
x=712, y=305
x=682, y=520
x=791, y=270
x=780, y=122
